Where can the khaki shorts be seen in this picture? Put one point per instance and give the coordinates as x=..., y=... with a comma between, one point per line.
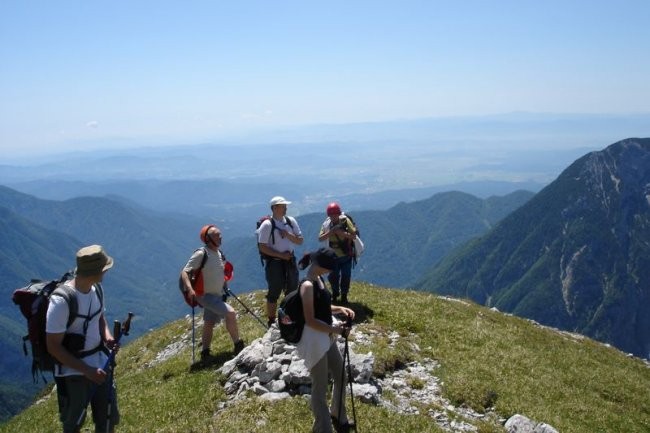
x=214, y=308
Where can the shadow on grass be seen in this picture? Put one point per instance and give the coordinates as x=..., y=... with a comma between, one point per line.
x=211, y=361
x=362, y=313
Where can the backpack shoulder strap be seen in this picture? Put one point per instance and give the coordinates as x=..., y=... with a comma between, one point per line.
x=68, y=294
x=287, y=221
x=205, y=258
x=100, y=294
x=273, y=227
x=351, y=220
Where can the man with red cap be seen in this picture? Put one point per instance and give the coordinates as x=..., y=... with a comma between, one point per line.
x=339, y=232
x=211, y=298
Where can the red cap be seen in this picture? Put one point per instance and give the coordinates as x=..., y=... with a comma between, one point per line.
x=333, y=209
x=204, y=233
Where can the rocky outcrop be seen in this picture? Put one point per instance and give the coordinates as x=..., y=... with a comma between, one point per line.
x=270, y=369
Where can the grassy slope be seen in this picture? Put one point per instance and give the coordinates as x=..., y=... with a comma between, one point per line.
x=487, y=358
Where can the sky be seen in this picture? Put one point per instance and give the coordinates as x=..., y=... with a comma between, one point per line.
x=78, y=74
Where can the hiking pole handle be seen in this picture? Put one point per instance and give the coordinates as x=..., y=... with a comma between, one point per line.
x=117, y=336
x=117, y=330
x=126, y=326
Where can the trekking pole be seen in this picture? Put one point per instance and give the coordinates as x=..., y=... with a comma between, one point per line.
x=193, y=337
x=346, y=358
x=117, y=333
x=121, y=330
x=229, y=293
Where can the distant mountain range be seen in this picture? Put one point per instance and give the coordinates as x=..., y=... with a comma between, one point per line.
x=231, y=203
x=576, y=256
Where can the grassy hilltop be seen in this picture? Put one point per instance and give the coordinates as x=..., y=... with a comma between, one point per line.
x=488, y=359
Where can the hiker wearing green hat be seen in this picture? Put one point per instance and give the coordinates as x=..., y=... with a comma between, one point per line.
x=81, y=347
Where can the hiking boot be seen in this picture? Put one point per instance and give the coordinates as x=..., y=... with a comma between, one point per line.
x=239, y=346
x=346, y=427
x=205, y=355
x=342, y=428
x=344, y=299
x=270, y=322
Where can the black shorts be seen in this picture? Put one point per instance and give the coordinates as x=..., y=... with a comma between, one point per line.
x=281, y=276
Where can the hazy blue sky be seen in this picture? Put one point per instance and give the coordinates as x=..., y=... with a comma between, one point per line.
x=79, y=73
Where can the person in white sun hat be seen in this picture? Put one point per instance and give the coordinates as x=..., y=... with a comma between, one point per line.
x=277, y=237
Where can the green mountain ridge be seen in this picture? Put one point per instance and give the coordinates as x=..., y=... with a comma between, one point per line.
x=576, y=256
x=38, y=240
x=149, y=249
x=35, y=254
x=490, y=362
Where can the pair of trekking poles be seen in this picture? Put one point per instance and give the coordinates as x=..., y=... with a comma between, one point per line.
x=119, y=329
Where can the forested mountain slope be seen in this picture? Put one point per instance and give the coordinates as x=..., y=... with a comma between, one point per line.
x=576, y=256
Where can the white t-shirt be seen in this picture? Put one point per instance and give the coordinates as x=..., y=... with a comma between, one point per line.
x=57, y=320
x=281, y=244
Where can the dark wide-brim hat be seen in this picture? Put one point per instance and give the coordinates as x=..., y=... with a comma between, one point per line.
x=92, y=260
x=325, y=258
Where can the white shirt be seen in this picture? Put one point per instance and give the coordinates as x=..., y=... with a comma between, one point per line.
x=281, y=244
x=57, y=320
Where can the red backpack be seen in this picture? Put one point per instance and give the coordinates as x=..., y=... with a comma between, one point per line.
x=196, y=279
x=33, y=301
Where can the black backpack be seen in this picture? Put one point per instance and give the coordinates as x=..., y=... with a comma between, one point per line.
x=291, y=318
x=287, y=221
x=33, y=301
